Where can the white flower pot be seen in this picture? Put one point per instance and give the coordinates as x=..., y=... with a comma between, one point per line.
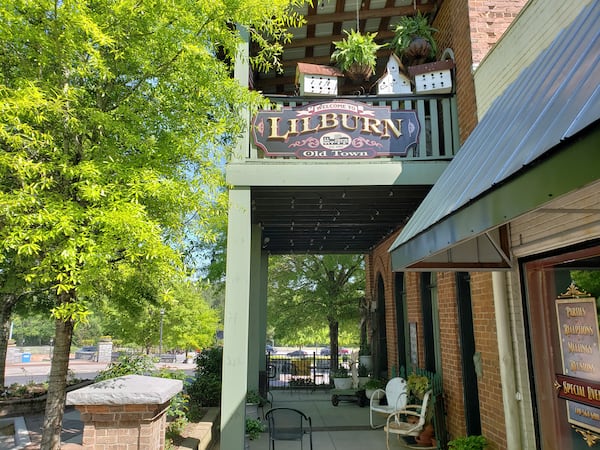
x=342, y=383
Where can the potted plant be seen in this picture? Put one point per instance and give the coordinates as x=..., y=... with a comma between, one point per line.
x=372, y=385
x=365, y=357
x=341, y=378
x=253, y=401
x=413, y=40
x=468, y=443
x=253, y=429
x=356, y=54
x=363, y=375
x=417, y=385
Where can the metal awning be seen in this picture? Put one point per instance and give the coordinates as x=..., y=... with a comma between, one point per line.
x=539, y=140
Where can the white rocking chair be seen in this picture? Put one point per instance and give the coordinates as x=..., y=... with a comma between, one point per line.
x=408, y=421
x=395, y=395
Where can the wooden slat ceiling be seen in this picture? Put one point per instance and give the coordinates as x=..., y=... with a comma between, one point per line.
x=351, y=219
x=325, y=22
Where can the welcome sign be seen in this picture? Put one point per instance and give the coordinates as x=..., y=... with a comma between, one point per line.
x=336, y=129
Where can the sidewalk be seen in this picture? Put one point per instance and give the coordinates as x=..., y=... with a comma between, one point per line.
x=342, y=427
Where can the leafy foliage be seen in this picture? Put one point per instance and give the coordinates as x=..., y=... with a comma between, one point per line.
x=205, y=389
x=116, y=118
x=468, y=443
x=356, y=48
x=410, y=27
x=134, y=364
x=310, y=292
x=254, y=427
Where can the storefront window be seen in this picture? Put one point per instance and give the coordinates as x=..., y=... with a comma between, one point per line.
x=561, y=298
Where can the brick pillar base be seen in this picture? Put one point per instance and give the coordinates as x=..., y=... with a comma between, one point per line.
x=125, y=413
x=130, y=426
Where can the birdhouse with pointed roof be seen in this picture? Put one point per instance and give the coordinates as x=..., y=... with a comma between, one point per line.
x=314, y=79
x=393, y=81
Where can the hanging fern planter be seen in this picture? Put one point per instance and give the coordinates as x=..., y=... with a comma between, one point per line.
x=356, y=55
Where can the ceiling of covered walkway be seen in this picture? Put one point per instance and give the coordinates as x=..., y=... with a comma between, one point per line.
x=331, y=219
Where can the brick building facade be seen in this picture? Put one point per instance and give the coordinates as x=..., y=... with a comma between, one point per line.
x=470, y=29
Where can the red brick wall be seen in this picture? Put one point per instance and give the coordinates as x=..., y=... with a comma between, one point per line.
x=452, y=23
x=486, y=343
x=451, y=357
x=379, y=263
x=469, y=28
x=127, y=427
x=489, y=20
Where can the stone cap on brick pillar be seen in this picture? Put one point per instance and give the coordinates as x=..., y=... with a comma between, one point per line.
x=126, y=390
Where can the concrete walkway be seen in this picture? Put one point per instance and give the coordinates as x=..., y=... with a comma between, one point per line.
x=342, y=427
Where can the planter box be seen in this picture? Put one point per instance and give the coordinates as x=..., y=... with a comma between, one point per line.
x=433, y=78
x=20, y=407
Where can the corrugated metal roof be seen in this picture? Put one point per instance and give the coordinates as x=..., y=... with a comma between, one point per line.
x=552, y=100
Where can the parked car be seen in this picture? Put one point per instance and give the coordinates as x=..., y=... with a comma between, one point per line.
x=87, y=352
x=270, y=349
x=297, y=353
x=326, y=351
x=344, y=351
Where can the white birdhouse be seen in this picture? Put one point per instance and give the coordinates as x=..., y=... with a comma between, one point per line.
x=433, y=78
x=393, y=80
x=314, y=79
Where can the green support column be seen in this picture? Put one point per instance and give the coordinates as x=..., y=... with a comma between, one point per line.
x=237, y=290
x=262, y=318
x=256, y=339
x=237, y=316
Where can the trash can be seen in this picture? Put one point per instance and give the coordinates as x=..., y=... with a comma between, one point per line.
x=25, y=357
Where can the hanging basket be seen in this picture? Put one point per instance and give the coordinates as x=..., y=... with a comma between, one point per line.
x=359, y=72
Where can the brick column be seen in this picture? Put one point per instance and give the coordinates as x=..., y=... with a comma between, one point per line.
x=129, y=411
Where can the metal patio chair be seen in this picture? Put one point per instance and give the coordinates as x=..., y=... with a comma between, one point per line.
x=396, y=398
x=409, y=421
x=288, y=424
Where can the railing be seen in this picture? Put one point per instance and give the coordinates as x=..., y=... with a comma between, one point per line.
x=287, y=372
x=437, y=114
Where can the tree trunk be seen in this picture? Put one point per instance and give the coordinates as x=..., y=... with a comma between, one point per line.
x=8, y=303
x=57, y=384
x=334, y=326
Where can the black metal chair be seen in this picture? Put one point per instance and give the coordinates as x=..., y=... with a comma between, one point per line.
x=288, y=424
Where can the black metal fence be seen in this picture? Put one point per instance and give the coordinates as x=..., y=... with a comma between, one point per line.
x=309, y=371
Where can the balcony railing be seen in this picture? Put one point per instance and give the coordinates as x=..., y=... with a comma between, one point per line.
x=438, y=138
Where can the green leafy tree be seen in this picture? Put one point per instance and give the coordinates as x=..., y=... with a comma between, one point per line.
x=307, y=292
x=188, y=321
x=115, y=115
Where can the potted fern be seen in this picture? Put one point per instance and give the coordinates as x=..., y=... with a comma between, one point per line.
x=413, y=40
x=356, y=54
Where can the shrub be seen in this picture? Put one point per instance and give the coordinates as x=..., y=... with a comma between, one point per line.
x=205, y=389
x=128, y=365
x=468, y=443
x=253, y=428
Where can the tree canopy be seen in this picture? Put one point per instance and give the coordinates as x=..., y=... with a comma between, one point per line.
x=310, y=292
x=115, y=118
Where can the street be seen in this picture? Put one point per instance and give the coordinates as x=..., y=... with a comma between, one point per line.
x=37, y=372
